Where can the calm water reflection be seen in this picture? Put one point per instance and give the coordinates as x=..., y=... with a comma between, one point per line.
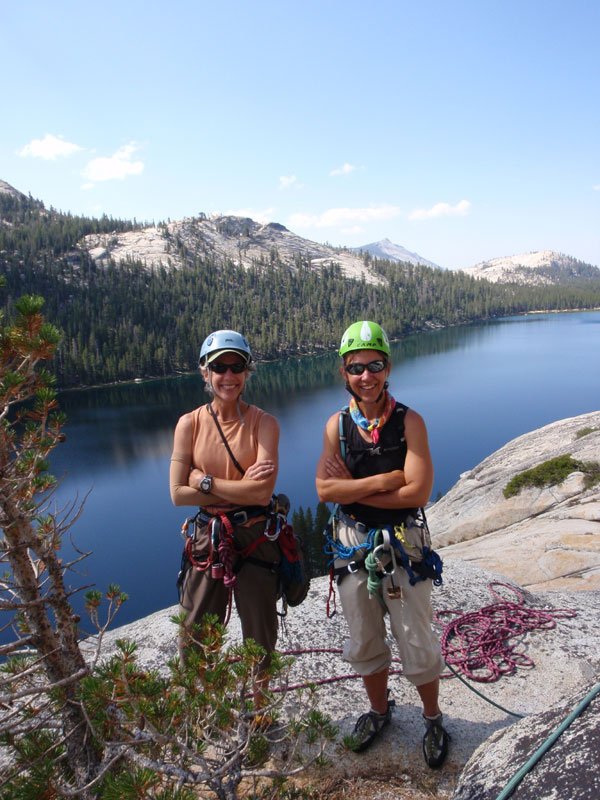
x=477, y=387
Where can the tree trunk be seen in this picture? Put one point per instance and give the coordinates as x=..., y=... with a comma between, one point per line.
x=58, y=647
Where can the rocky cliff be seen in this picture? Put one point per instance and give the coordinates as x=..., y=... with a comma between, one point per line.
x=544, y=537
x=560, y=660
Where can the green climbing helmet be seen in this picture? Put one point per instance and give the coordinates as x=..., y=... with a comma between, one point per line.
x=364, y=335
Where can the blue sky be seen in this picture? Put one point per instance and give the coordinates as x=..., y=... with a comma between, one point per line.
x=463, y=131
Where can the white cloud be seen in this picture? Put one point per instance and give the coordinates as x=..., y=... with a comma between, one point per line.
x=336, y=217
x=353, y=229
x=49, y=148
x=87, y=186
x=345, y=169
x=597, y=187
x=285, y=181
x=116, y=167
x=441, y=210
x=262, y=217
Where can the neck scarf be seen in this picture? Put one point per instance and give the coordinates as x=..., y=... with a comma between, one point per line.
x=375, y=425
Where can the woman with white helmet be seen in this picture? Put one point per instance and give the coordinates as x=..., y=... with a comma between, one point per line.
x=377, y=467
x=225, y=460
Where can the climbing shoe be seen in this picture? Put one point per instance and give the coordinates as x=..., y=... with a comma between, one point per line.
x=368, y=727
x=435, y=742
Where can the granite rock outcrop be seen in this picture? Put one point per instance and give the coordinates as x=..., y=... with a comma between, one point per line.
x=563, y=770
x=542, y=538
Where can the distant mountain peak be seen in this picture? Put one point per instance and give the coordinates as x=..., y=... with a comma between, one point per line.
x=540, y=267
x=239, y=240
x=385, y=248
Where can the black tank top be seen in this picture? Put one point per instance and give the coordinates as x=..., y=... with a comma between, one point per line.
x=364, y=459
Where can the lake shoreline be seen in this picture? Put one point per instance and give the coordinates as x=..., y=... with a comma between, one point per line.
x=429, y=328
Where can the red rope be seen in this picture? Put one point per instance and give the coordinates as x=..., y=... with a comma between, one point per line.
x=479, y=645
x=227, y=557
x=475, y=641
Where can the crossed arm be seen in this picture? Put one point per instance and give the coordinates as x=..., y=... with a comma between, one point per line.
x=254, y=488
x=407, y=488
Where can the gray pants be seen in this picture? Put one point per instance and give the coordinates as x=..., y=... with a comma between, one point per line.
x=410, y=616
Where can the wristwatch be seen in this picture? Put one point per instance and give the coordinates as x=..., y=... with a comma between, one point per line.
x=206, y=484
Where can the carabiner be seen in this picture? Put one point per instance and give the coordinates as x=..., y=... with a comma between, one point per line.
x=185, y=532
x=215, y=533
x=378, y=560
x=272, y=537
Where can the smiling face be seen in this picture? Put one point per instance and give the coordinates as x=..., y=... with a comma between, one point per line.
x=369, y=385
x=227, y=386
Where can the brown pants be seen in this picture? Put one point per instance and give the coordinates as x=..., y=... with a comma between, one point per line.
x=255, y=590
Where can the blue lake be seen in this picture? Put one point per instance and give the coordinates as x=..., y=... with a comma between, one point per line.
x=477, y=387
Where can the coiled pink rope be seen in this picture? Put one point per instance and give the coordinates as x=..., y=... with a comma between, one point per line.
x=476, y=644
x=479, y=644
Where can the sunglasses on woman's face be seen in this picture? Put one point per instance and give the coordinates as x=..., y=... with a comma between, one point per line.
x=356, y=368
x=220, y=368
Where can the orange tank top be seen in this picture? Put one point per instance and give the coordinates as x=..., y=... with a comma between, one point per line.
x=209, y=453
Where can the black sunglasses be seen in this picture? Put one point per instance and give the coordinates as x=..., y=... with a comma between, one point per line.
x=356, y=368
x=220, y=368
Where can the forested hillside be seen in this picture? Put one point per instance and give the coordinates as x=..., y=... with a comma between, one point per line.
x=124, y=321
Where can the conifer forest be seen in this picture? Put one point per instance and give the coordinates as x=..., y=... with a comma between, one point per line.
x=125, y=321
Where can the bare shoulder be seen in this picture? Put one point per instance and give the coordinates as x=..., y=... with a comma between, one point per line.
x=331, y=437
x=333, y=420
x=268, y=422
x=185, y=422
x=332, y=426
x=414, y=424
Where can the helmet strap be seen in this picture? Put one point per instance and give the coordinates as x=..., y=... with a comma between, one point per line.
x=385, y=386
x=211, y=388
x=357, y=397
x=239, y=410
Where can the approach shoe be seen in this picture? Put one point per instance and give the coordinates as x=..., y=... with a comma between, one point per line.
x=435, y=742
x=368, y=726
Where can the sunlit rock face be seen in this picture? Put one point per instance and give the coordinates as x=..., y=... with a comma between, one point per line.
x=568, y=769
x=542, y=538
x=543, y=267
x=239, y=240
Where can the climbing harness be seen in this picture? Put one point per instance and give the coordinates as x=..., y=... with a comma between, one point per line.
x=225, y=560
x=408, y=543
x=379, y=543
x=221, y=556
x=294, y=582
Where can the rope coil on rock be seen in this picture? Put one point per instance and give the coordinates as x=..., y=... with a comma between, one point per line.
x=482, y=642
x=478, y=643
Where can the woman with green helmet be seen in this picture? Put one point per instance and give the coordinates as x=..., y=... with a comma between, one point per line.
x=376, y=467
